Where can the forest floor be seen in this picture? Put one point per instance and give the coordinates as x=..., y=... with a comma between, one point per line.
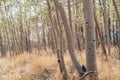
x=44, y=66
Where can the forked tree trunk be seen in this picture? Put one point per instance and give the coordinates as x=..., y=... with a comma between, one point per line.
x=60, y=34
x=71, y=48
x=59, y=53
x=90, y=38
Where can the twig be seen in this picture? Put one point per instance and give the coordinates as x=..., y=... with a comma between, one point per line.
x=86, y=74
x=76, y=3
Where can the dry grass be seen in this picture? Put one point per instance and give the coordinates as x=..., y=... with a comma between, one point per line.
x=43, y=65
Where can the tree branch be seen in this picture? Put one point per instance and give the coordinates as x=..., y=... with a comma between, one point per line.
x=76, y=3
x=90, y=72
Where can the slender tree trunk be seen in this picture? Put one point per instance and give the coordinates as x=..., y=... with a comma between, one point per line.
x=118, y=16
x=38, y=37
x=76, y=40
x=2, y=49
x=70, y=16
x=105, y=18
x=98, y=29
x=44, y=37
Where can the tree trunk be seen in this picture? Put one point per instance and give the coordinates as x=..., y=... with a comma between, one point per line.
x=98, y=29
x=71, y=48
x=59, y=52
x=60, y=34
x=105, y=18
x=2, y=49
x=90, y=38
x=118, y=16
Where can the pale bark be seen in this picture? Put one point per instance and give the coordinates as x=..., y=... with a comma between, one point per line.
x=71, y=48
x=90, y=38
x=59, y=52
x=60, y=34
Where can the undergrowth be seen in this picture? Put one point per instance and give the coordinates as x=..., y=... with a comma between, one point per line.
x=44, y=66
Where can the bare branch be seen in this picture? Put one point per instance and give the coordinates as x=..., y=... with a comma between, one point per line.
x=90, y=72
